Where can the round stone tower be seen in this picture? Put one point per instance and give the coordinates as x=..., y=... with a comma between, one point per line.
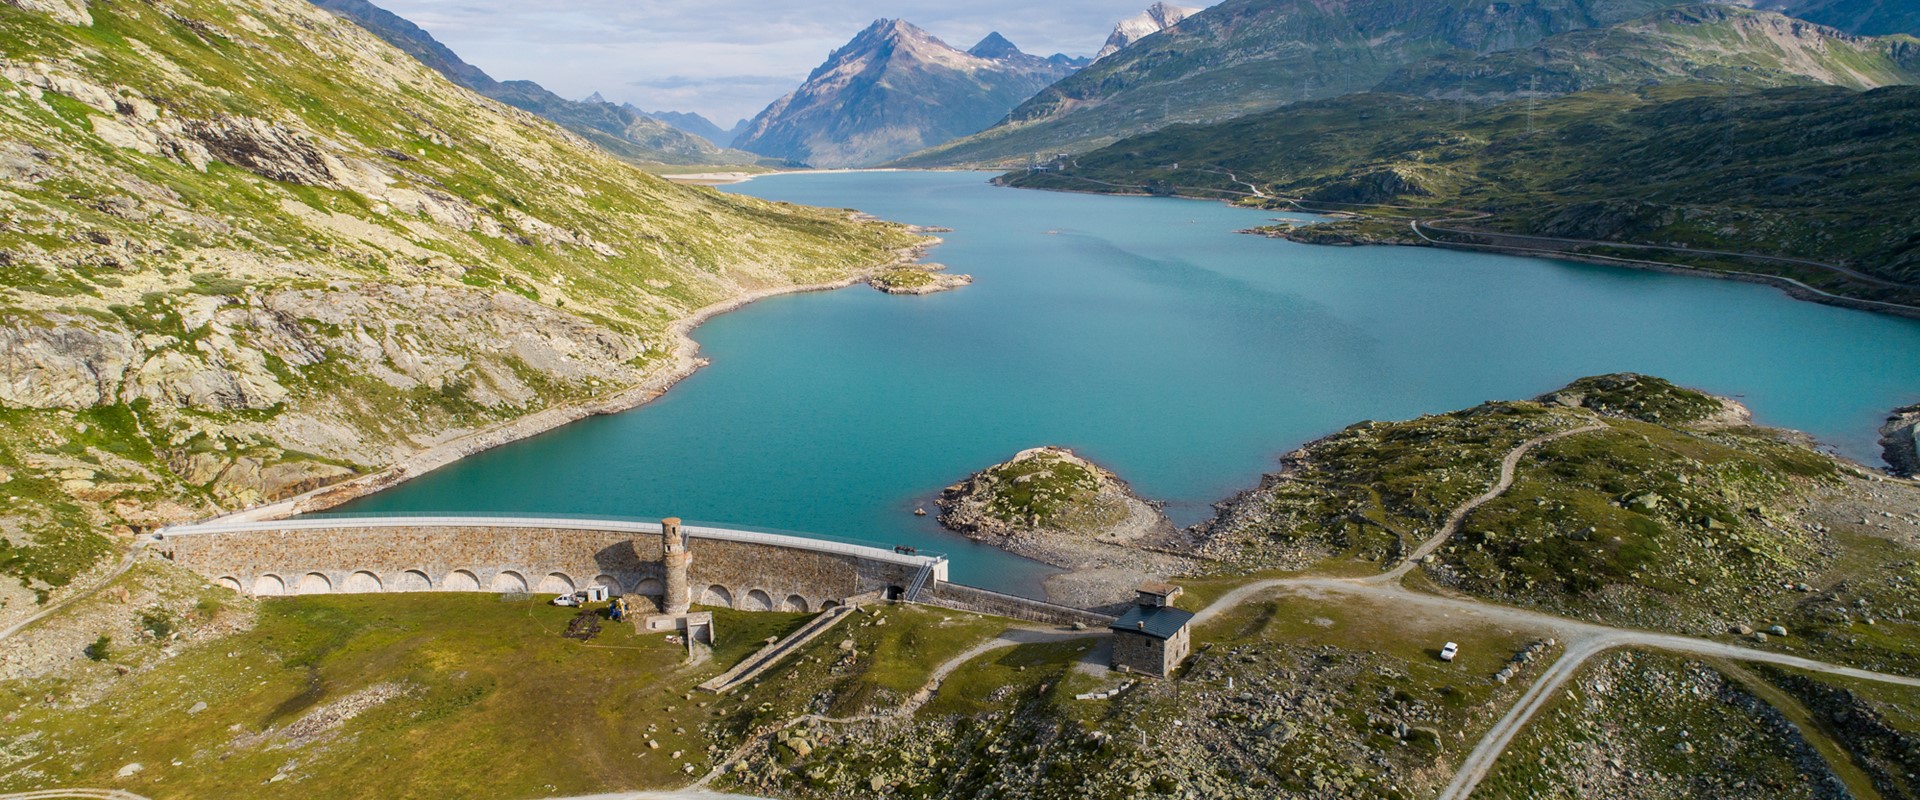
x=673, y=553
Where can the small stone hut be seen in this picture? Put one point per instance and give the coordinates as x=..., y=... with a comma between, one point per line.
x=1152, y=638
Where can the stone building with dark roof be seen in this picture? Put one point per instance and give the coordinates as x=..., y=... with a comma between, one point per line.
x=1152, y=638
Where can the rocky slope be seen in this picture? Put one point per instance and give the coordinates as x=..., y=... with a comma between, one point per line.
x=1053, y=506
x=624, y=132
x=895, y=89
x=251, y=249
x=1700, y=43
x=1247, y=56
x=1158, y=17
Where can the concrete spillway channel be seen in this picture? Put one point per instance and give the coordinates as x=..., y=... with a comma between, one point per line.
x=772, y=654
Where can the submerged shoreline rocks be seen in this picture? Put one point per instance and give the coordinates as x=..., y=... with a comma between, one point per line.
x=1055, y=507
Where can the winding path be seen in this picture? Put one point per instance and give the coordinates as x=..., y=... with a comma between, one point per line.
x=1011, y=637
x=1509, y=467
x=126, y=563
x=1584, y=639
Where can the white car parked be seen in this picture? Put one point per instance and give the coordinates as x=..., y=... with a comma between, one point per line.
x=1447, y=653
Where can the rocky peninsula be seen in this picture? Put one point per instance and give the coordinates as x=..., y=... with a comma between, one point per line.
x=1057, y=508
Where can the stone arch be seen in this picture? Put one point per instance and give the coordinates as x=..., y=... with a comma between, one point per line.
x=757, y=600
x=614, y=589
x=794, y=602
x=363, y=582
x=653, y=590
x=269, y=585
x=718, y=596
x=313, y=583
x=556, y=583
x=460, y=580
x=829, y=605
x=413, y=580
x=230, y=582
x=509, y=582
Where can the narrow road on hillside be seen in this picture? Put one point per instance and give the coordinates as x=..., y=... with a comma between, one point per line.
x=126, y=563
x=1846, y=271
x=73, y=794
x=1012, y=637
x=1584, y=639
x=1509, y=467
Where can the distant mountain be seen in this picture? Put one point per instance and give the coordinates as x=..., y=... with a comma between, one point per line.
x=1247, y=56
x=1701, y=43
x=1155, y=19
x=695, y=124
x=1863, y=17
x=895, y=89
x=631, y=136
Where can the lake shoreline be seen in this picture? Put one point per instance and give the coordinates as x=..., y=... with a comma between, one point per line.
x=684, y=361
x=1788, y=286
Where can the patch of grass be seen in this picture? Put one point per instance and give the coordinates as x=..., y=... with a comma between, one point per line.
x=494, y=702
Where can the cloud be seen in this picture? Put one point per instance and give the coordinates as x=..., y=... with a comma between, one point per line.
x=723, y=58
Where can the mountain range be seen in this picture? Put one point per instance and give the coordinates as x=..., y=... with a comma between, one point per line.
x=896, y=89
x=624, y=132
x=1707, y=127
x=1246, y=56
x=696, y=124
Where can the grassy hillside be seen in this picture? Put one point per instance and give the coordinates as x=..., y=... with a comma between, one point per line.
x=1698, y=43
x=1810, y=172
x=1677, y=516
x=250, y=249
x=1246, y=56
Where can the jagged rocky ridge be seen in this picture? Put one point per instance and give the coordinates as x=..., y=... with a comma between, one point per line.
x=895, y=89
x=1156, y=18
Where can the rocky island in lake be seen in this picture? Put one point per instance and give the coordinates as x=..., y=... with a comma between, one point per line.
x=1053, y=506
x=918, y=279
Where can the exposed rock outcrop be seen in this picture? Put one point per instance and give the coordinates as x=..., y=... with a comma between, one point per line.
x=1900, y=441
x=69, y=362
x=1158, y=17
x=71, y=12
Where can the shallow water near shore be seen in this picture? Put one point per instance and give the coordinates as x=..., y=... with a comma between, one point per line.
x=1147, y=335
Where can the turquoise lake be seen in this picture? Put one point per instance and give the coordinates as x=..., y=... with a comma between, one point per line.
x=1149, y=336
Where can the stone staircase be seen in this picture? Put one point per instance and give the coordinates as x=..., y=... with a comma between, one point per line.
x=773, y=654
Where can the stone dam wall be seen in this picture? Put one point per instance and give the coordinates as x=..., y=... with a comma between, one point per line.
x=732, y=569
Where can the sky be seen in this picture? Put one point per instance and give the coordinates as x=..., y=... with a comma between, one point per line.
x=726, y=59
